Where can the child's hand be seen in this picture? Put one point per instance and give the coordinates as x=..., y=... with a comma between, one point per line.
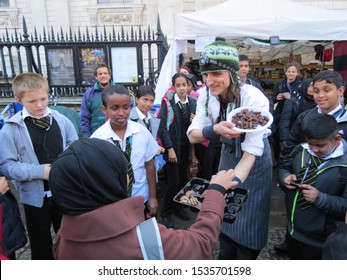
x=225, y=179
x=46, y=170
x=3, y=185
x=191, y=117
x=161, y=151
x=288, y=179
x=286, y=95
x=172, y=156
x=310, y=193
x=280, y=96
x=152, y=205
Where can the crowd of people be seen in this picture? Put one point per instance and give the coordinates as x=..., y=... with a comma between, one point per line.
x=99, y=191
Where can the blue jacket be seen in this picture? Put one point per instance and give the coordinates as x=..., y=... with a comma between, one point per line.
x=18, y=160
x=92, y=116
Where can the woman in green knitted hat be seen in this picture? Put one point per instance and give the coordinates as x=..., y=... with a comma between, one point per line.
x=248, y=153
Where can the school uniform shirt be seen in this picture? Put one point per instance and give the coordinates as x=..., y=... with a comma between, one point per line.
x=143, y=149
x=25, y=113
x=137, y=116
x=142, y=116
x=177, y=99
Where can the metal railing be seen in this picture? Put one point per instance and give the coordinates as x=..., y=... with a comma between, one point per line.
x=67, y=59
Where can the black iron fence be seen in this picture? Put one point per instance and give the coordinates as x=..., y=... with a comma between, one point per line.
x=68, y=59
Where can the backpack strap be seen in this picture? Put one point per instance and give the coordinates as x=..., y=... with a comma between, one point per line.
x=170, y=114
x=149, y=238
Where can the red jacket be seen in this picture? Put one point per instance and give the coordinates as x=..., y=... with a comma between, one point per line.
x=109, y=232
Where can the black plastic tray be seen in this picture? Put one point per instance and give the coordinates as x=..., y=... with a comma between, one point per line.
x=197, y=186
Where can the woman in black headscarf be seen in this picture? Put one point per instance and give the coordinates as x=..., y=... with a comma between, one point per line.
x=88, y=183
x=88, y=175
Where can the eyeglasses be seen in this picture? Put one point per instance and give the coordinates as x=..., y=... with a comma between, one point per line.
x=205, y=60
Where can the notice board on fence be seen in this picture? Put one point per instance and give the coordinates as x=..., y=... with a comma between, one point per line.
x=124, y=65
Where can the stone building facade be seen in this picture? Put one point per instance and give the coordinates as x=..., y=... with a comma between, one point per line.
x=74, y=14
x=64, y=14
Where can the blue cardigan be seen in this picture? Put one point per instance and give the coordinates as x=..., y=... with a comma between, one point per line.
x=18, y=160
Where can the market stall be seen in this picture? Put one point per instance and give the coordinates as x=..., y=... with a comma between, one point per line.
x=242, y=19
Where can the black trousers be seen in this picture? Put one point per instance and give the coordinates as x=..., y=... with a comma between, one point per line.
x=39, y=222
x=301, y=251
x=176, y=175
x=230, y=250
x=208, y=158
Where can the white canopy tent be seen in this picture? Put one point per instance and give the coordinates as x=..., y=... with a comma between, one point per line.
x=241, y=19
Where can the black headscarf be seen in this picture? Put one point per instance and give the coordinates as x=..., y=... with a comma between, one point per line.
x=304, y=86
x=89, y=174
x=306, y=102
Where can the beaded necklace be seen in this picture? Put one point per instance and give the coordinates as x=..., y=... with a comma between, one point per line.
x=206, y=103
x=224, y=112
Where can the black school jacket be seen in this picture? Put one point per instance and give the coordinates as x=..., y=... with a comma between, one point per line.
x=172, y=137
x=313, y=225
x=295, y=136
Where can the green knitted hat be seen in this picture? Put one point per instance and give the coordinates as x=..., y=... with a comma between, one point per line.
x=219, y=56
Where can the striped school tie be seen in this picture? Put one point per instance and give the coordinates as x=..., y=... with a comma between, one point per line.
x=130, y=171
x=309, y=179
x=147, y=123
x=43, y=123
x=183, y=107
